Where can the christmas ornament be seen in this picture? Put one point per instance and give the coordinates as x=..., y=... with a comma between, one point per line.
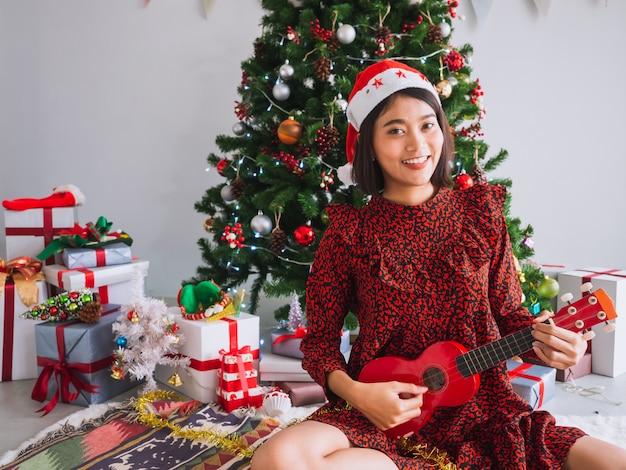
x=239, y=129
x=281, y=91
x=66, y=306
x=478, y=174
x=175, y=380
x=62, y=196
x=327, y=180
x=278, y=241
x=434, y=34
x=233, y=235
x=322, y=68
x=444, y=88
x=445, y=29
x=297, y=3
x=304, y=235
x=290, y=131
x=222, y=165
x=209, y=223
x=276, y=402
x=454, y=61
x=286, y=71
x=346, y=34
x=548, y=288
x=227, y=193
x=463, y=181
x=261, y=224
x=237, y=187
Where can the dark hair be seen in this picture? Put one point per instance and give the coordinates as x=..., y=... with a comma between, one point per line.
x=367, y=173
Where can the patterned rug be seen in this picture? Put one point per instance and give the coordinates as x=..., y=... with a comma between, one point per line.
x=156, y=434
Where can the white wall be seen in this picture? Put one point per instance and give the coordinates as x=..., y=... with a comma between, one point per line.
x=126, y=101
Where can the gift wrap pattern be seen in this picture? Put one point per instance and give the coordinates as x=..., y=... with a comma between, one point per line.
x=237, y=380
x=109, y=255
x=202, y=341
x=608, y=349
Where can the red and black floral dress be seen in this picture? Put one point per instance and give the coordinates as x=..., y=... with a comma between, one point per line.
x=414, y=276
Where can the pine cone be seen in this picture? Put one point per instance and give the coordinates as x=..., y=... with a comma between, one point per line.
x=434, y=34
x=91, y=312
x=237, y=187
x=322, y=68
x=259, y=50
x=333, y=136
x=478, y=174
x=278, y=241
x=382, y=34
x=333, y=43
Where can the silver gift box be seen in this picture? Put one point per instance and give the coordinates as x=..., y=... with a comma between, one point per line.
x=108, y=255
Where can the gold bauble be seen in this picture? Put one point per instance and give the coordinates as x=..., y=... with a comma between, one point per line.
x=290, y=131
x=444, y=88
x=117, y=374
x=175, y=380
x=209, y=223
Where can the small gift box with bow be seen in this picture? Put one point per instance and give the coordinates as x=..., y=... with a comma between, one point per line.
x=74, y=360
x=534, y=383
x=205, y=341
x=21, y=286
x=237, y=380
x=287, y=343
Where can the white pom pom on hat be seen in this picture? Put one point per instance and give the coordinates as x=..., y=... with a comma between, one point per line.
x=373, y=85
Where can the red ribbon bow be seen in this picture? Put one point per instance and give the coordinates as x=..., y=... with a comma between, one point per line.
x=299, y=333
x=64, y=375
x=24, y=264
x=520, y=371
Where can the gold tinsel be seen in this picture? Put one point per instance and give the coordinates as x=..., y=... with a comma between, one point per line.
x=432, y=454
x=229, y=442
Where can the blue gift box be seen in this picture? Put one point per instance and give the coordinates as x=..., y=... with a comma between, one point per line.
x=534, y=383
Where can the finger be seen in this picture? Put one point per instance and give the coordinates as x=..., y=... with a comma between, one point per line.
x=543, y=316
x=410, y=388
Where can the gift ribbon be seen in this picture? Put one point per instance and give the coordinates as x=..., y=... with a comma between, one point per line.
x=610, y=272
x=25, y=272
x=299, y=333
x=9, y=323
x=520, y=370
x=48, y=232
x=90, y=282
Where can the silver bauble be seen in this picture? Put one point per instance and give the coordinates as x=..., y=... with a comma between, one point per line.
x=445, y=29
x=227, y=193
x=346, y=34
x=286, y=71
x=261, y=224
x=239, y=128
x=281, y=91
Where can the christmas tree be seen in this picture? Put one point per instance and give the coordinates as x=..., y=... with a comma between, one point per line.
x=283, y=163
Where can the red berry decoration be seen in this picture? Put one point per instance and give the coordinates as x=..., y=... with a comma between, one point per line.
x=304, y=235
x=221, y=165
x=463, y=181
x=233, y=235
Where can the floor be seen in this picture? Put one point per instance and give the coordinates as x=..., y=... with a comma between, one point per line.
x=591, y=394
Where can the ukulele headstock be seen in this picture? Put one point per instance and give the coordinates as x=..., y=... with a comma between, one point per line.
x=591, y=310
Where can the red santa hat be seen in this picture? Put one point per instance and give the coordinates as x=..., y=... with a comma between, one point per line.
x=62, y=196
x=373, y=85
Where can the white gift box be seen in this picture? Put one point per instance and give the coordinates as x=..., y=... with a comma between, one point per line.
x=29, y=231
x=18, y=355
x=114, y=284
x=203, y=341
x=608, y=350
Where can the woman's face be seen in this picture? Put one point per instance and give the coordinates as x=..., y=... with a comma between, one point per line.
x=407, y=145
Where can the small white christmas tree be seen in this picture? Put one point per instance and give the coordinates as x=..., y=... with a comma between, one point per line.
x=146, y=335
x=296, y=318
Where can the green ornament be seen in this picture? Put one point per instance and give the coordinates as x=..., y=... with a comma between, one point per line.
x=548, y=288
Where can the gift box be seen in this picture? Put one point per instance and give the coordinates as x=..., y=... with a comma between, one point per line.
x=29, y=231
x=287, y=343
x=18, y=357
x=203, y=341
x=303, y=393
x=579, y=370
x=608, y=349
x=74, y=360
x=273, y=367
x=534, y=383
x=114, y=284
x=230, y=401
x=237, y=380
x=116, y=253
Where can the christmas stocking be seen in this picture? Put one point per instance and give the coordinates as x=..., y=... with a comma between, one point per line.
x=62, y=196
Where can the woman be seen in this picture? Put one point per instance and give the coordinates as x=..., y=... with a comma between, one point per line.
x=420, y=264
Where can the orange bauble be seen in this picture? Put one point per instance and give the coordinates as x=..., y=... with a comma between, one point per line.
x=290, y=131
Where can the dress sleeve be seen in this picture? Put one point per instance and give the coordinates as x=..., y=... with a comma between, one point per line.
x=505, y=292
x=328, y=298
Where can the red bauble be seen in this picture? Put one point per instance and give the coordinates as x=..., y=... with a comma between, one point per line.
x=221, y=165
x=463, y=181
x=304, y=235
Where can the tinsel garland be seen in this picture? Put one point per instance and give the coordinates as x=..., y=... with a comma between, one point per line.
x=229, y=442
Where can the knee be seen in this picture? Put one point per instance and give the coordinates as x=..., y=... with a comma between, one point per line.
x=270, y=456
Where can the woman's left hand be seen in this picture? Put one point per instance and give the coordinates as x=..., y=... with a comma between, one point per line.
x=556, y=346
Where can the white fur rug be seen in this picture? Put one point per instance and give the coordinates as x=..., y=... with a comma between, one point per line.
x=608, y=428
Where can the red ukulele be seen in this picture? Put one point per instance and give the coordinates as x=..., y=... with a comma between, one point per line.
x=450, y=371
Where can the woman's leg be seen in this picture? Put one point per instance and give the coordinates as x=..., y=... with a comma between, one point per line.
x=591, y=453
x=311, y=445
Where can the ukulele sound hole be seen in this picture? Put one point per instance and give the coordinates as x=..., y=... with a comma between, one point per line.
x=434, y=379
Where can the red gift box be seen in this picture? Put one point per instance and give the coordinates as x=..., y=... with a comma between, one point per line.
x=242, y=390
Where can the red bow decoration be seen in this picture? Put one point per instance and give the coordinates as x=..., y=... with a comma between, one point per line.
x=64, y=375
x=25, y=272
x=299, y=333
x=25, y=265
x=243, y=381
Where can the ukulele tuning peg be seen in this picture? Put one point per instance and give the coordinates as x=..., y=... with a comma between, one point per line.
x=608, y=327
x=588, y=335
x=586, y=287
x=567, y=297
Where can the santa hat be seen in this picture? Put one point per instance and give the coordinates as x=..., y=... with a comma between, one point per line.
x=62, y=196
x=373, y=85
